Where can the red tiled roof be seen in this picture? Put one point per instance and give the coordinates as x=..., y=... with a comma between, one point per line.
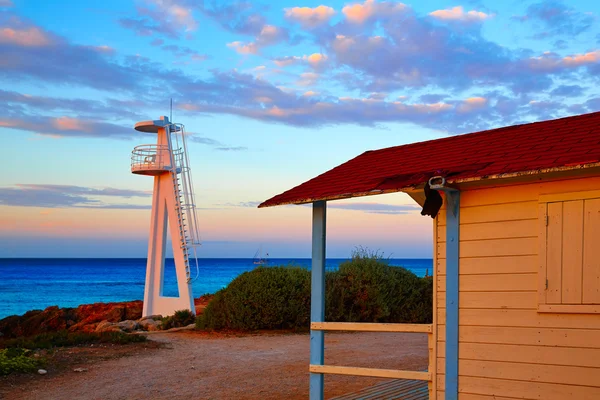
x=566, y=142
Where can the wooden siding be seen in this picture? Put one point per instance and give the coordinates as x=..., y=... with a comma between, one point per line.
x=591, y=256
x=508, y=349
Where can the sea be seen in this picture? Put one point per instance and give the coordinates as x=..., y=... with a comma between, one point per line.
x=36, y=283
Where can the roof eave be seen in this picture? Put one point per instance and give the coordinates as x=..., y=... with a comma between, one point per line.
x=540, y=171
x=335, y=197
x=471, y=180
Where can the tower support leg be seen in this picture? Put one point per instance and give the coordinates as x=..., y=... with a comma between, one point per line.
x=163, y=210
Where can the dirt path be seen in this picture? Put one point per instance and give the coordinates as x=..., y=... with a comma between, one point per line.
x=196, y=366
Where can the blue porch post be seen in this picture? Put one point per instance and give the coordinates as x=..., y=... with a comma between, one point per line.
x=317, y=296
x=452, y=270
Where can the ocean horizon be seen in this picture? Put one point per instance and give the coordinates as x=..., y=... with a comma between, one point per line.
x=36, y=283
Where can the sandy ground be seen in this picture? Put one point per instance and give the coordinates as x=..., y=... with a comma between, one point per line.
x=191, y=365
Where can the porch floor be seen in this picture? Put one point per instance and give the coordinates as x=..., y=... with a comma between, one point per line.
x=400, y=389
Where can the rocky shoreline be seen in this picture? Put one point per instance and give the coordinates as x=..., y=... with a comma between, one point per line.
x=98, y=317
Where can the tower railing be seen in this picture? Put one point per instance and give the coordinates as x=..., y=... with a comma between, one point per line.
x=154, y=157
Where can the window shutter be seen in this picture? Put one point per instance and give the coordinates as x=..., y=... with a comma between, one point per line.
x=554, y=248
x=591, y=252
x=569, y=274
x=572, y=253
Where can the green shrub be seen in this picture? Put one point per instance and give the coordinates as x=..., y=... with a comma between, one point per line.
x=179, y=319
x=17, y=360
x=367, y=289
x=66, y=338
x=364, y=289
x=265, y=298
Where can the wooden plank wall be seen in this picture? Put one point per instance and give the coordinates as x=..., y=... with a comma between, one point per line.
x=507, y=349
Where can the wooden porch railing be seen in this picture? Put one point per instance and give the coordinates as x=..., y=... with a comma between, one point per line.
x=374, y=372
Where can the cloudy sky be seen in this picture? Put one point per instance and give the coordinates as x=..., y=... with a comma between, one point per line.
x=273, y=93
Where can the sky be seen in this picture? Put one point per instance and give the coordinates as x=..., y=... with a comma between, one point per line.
x=271, y=94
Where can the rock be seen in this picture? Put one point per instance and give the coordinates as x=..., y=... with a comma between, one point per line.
x=106, y=326
x=112, y=312
x=182, y=328
x=154, y=317
x=127, y=326
x=79, y=369
x=149, y=325
x=34, y=322
x=42, y=371
x=81, y=319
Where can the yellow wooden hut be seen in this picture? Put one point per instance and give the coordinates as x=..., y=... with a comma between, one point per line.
x=516, y=255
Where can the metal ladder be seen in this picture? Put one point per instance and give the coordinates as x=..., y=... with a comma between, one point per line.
x=185, y=207
x=183, y=236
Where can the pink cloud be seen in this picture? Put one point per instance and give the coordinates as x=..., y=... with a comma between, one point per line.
x=315, y=60
x=179, y=14
x=458, y=14
x=68, y=124
x=7, y=123
x=308, y=79
x=582, y=59
x=244, y=48
x=278, y=112
x=162, y=17
x=310, y=17
x=472, y=104
x=359, y=13
x=102, y=49
x=287, y=61
x=66, y=127
x=552, y=62
x=268, y=35
x=183, y=16
x=342, y=43
x=30, y=37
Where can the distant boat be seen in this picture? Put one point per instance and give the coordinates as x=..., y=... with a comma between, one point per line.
x=259, y=259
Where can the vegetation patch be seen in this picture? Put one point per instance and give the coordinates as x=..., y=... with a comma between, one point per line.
x=180, y=319
x=64, y=338
x=18, y=360
x=23, y=354
x=265, y=298
x=364, y=289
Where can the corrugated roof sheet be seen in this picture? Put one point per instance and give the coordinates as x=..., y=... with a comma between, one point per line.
x=566, y=142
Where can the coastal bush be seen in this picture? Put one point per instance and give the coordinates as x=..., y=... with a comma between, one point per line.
x=364, y=289
x=17, y=360
x=66, y=338
x=265, y=298
x=367, y=289
x=180, y=319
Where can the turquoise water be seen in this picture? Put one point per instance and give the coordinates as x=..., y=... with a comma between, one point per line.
x=36, y=283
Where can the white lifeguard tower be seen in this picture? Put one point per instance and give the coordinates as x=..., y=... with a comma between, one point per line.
x=172, y=202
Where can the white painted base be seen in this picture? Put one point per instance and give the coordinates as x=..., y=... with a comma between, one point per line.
x=163, y=210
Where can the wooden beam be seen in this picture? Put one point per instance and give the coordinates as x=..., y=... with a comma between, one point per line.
x=371, y=327
x=317, y=296
x=452, y=278
x=569, y=308
x=374, y=372
x=588, y=194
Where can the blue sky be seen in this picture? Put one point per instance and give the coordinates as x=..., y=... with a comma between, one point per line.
x=273, y=94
